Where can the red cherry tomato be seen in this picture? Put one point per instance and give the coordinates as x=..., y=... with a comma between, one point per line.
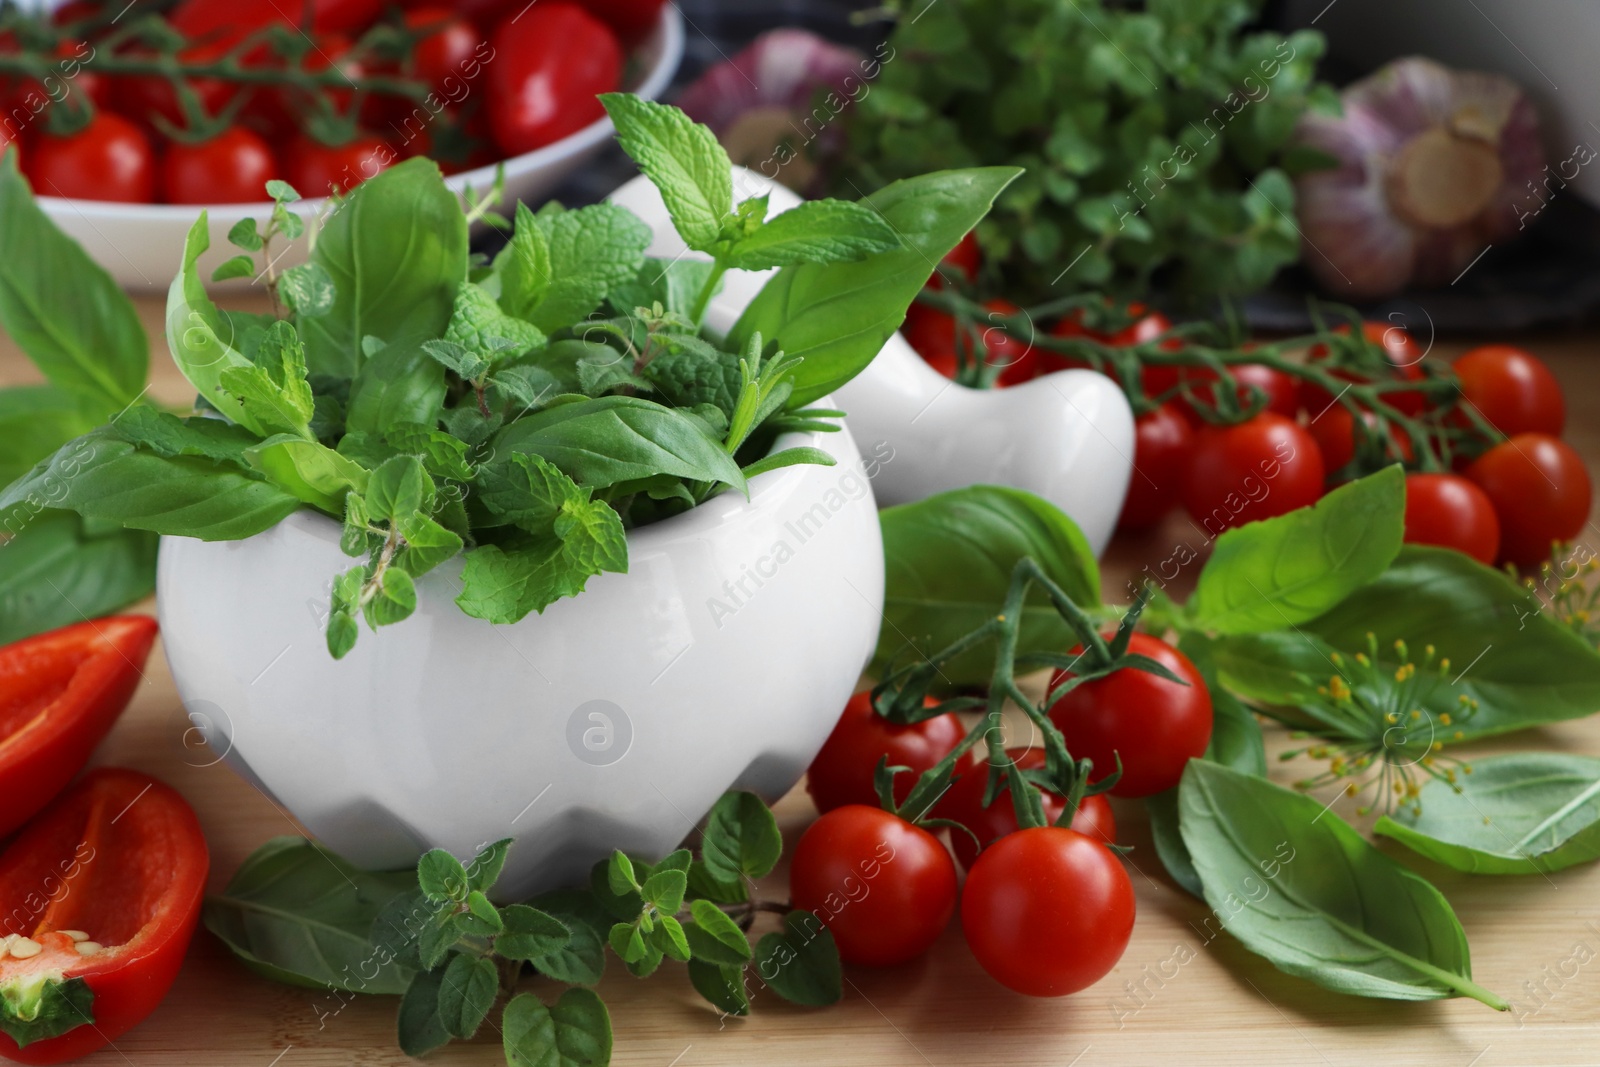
x=127, y=863
x=884, y=888
x=630, y=20
x=1281, y=390
x=1512, y=389
x=1448, y=510
x=933, y=334
x=319, y=169
x=449, y=49
x=231, y=168
x=551, y=65
x=965, y=258
x=843, y=771
x=1540, y=491
x=1334, y=433
x=1259, y=468
x=964, y=804
x=239, y=18
x=109, y=159
x=1047, y=911
x=1155, y=725
x=1403, y=353
x=1162, y=443
x=72, y=72
x=141, y=97
x=1007, y=350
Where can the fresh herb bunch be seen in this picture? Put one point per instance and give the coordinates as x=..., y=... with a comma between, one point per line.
x=527, y=410
x=436, y=937
x=1154, y=137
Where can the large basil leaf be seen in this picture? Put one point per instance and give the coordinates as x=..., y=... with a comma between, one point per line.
x=101, y=476
x=1297, y=885
x=598, y=443
x=35, y=420
x=838, y=316
x=1283, y=571
x=57, y=573
x=948, y=565
x=297, y=913
x=1526, y=813
x=63, y=309
x=312, y=472
x=399, y=384
x=396, y=250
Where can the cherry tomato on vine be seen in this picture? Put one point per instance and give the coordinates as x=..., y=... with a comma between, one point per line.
x=631, y=20
x=965, y=258
x=1259, y=468
x=231, y=168
x=1162, y=441
x=238, y=18
x=1155, y=725
x=449, y=48
x=550, y=66
x=1007, y=350
x=1448, y=510
x=318, y=169
x=141, y=97
x=1403, y=353
x=109, y=159
x=1334, y=431
x=1513, y=389
x=964, y=804
x=884, y=888
x=1281, y=389
x=1047, y=911
x=842, y=772
x=1540, y=491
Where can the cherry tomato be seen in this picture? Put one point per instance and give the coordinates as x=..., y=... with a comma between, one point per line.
x=1403, y=353
x=319, y=169
x=964, y=804
x=1334, y=433
x=631, y=20
x=109, y=159
x=1540, y=492
x=551, y=65
x=1281, y=390
x=447, y=51
x=884, y=888
x=933, y=334
x=965, y=258
x=1154, y=724
x=1448, y=510
x=1512, y=389
x=1162, y=442
x=142, y=97
x=231, y=168
x=1260, y=468
x=1007, y=350
x=843, y=771
x=1047, y=911
x=23, y=98
x=1146, y=327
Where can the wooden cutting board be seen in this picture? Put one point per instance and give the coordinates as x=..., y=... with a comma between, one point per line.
x=1181, y=994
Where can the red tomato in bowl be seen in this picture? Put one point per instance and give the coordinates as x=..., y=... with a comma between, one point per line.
x=448, y=50
x=109, y=159
x=318, y=169
x=231, y=168
x=550, y=66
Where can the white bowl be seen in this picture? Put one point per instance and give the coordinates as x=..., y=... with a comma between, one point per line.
x=614, y=720
x=141, y=245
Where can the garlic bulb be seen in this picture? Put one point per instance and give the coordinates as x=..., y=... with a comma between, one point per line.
x=772, y=101
x=1432, y=165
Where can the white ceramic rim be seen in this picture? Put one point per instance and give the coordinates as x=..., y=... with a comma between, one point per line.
x=650, y=87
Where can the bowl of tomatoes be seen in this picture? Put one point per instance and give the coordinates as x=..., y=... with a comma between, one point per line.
x=128, y=129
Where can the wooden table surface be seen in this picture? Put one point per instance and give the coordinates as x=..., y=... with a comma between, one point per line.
x=1175, y=997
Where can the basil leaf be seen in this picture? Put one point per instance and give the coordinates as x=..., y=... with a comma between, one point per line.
x=396, y=252
x=682, y=159
x=1318, y=900
x=716, y=938
x=168, y=435
x=592, y=250
x=575, y=1032
x=1527, y=813
x=723, y=986
x=741, y=838
x=35, y=420
x=400, y=383
x=102, y=477
x=948, y=565
x=817, y=231
x=838, y=316
x=63, y=309
x=1286, y=570
x=598, y=443
x=313, y=472
x=421, y=1028
x=466, y=993
x=56, y=573
x=800, y=963
x=297, y=913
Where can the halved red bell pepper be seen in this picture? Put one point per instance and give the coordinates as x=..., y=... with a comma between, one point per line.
x=60, y=692
x=98, y=899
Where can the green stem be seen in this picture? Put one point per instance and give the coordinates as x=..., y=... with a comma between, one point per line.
x=703, y=300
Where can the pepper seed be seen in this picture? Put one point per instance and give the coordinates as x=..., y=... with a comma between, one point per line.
x=24, y=948
x=87, y=948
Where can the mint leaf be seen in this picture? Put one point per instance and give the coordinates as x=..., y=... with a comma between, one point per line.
x=466, y=993
x=741, y=838
x=675, y=284
x=444, y=456
x=526, y=491
x=592, y=537
x=480, y=327
x=817, y=231
x=167, y=435
x=688, y=371
x=273, y=390
x=592, y=250
x=684, y=161
x=800, y=963
x=469, y=365
x=523, y=266
x=575, y=1032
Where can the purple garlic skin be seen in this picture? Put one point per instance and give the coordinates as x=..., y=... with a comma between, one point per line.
x=1432, y=166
